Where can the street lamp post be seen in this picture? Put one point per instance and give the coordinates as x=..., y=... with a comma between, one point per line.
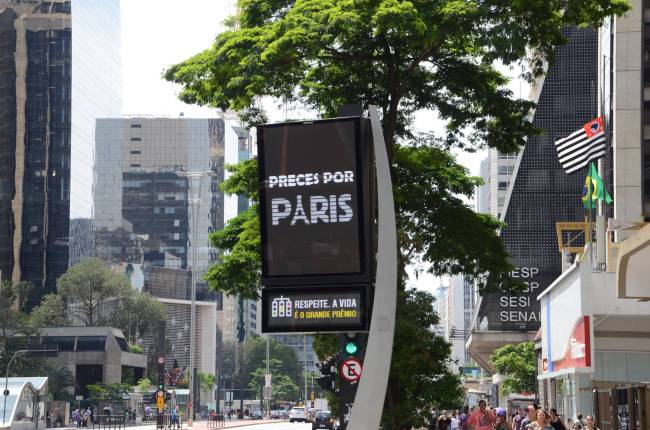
x=195, y=201
x=6, y=391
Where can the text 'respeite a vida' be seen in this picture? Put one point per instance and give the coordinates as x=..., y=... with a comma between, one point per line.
x=313, y=209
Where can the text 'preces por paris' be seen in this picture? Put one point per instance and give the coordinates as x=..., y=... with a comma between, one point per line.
x=332, y=208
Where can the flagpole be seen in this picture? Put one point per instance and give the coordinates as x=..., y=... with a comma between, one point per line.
x=589, y=203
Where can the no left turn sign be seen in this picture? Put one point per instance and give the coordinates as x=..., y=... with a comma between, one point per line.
x=350, y=370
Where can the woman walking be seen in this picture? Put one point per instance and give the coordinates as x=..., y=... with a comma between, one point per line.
x=542, y=421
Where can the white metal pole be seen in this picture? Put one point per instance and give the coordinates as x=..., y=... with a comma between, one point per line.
x=369, y=401
x=196, y=203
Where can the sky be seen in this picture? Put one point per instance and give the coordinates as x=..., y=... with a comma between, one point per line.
x=159, y=33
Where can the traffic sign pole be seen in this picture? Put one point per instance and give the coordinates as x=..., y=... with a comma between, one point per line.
x=369, y=402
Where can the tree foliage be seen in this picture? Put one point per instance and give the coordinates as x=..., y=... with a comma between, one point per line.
x=97, y=295
x=255, y=357
x=114, y=391
x=207, y=381
x=518, y=365
x=284, y=387
x=91, y=290
x=403, y=56
x=51, y=312
x=420, y=375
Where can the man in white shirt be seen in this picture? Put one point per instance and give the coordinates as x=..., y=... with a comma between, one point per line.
x=455, y=422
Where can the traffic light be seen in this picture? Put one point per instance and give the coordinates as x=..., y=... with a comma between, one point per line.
x=351, y=347
x=328, y=370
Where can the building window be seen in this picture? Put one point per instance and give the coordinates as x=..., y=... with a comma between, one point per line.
x=135, y=139
x=62, y=343
x=136, y=125
x=135, y=165
x=136, y=152
x=506, y=169
x=91, y=343
x=503, y=185
x=122, y=343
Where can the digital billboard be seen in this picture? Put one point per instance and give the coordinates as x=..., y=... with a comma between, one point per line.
x=314, y=186
x=315, y=309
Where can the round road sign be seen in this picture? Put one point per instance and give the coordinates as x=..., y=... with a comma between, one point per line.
x=350, y=370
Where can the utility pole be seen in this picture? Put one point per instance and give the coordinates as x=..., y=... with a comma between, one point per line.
x=304, y=360
x=195, y=186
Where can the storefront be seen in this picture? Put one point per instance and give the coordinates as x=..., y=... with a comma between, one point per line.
x=595, y=350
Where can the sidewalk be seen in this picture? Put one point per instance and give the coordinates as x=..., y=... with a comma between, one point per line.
x=198, y=425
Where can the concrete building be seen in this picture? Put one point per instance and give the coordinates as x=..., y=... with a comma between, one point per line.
x=93, y=355
x=51, y=84
x=497, y=171
x=540, y=195
x=594, y=345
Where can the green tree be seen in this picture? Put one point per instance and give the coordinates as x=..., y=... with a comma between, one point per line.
x=284, y=387
x=402, y=56
x=51, y=312
x=14, y=321
x=207, y=381
x=60, y=383
x=255, y=357
x=518, y=365
x=101, y=391
x=91, y=290
x=143, y=385
x=138, y=313
x=98, y=295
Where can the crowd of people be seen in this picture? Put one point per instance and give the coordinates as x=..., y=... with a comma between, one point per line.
x=484, y=418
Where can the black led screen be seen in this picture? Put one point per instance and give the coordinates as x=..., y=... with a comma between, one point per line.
x=312, y=199
x=315, y=309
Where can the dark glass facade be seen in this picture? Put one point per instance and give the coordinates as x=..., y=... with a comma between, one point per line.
x=35, y=65
x=542, y=193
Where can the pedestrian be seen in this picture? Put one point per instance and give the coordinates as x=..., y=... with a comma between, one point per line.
x=481, y=419
x=530, y=417
x=174, y=421
x=517, y=419
x=455, y=422
x=501, y=422
x=444, y=422
x=542, y=421
x=591, y=423
x=433, y=420
x=556, y=421
x=464, y=417
x=579, y=422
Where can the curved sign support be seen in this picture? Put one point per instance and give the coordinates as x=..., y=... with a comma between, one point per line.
x=369, y=401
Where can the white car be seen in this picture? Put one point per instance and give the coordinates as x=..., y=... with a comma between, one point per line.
x=298, y=414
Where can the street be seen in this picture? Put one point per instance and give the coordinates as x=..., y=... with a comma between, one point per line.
x=278, y=426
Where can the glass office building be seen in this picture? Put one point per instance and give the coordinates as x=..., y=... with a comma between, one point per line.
x=41, y=88
x=96, y=93
x=144, y=217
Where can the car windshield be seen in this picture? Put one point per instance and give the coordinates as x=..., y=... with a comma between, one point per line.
x=323, y=415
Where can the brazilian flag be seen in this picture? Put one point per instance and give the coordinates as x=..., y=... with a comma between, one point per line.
x=594, y=189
